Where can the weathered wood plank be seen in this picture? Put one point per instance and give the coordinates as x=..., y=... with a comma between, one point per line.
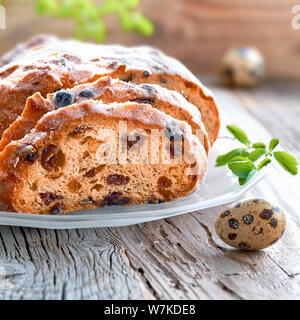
x=191, y=262
x=65, y=264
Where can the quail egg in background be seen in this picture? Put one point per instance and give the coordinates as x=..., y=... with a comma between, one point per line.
x=251, y=224
x=242, y=66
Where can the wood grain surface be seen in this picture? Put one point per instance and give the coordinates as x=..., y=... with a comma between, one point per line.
x=198, y=32
x=176, y=258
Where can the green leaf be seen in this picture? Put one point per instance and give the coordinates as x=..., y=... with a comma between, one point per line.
x=222, y=160
x=264, y=163
x=239, y=134
x=241, y=168
x=95, y=31
x=131, y=4
x=142, y=24
x=245, y=154
x=256, y=154
x=287, y=161
x=258, y=145
x=126, y=21
x=243, y=181
x=273, y=144
x=89, y=15
x=239, y=158
x=50, y=6
x=107, y=7
x=66, y=8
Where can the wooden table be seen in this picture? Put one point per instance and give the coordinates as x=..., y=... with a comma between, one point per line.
x=177, y=258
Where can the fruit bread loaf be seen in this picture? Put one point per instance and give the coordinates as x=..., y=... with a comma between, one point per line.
x=71, y=159
x=47, y=64
x=107, y=90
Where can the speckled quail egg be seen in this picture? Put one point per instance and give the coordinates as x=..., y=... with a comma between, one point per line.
x=242, y=66
x=251, y=224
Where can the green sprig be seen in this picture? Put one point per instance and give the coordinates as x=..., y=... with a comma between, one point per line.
x=89, y=16
x=241, y=161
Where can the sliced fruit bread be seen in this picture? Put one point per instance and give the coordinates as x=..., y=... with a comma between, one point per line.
x=90, y=155
x=108, y=90
x=46, y=64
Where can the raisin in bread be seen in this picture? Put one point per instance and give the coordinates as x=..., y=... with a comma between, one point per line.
x=72, y=161
x=108, y=90
x=54, y=64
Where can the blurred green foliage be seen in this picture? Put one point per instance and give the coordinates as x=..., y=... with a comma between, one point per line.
x=89, y=16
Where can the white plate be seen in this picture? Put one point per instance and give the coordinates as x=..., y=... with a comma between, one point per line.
x=220, y=187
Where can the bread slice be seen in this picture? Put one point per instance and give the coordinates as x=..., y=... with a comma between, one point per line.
x=90, y=155
x=54, y=64
x=108, y=90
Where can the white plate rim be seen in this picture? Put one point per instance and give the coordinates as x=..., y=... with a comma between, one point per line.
x=83, y=220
